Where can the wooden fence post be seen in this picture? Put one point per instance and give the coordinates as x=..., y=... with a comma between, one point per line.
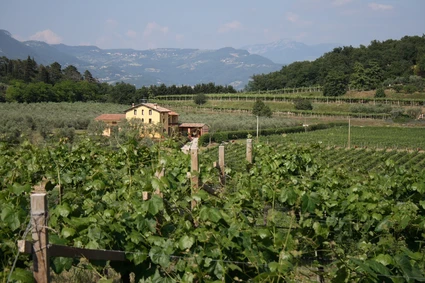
x=40, y=236
x=249, y=150
x=194, y=168
x=159, y=174
x=221, y=163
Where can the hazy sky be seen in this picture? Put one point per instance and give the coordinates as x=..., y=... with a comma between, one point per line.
x=144, y=24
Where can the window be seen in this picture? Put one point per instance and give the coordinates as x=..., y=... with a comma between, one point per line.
x=135, y=111
x=163, y=120
x=143, y=120
x=150, y=112
x=143, y=111
x=150, y=121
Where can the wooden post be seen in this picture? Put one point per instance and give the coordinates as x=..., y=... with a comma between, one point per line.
x=40, y=237
x=249, y=150
x=159, y=174
x=194, y=168
x=221, y=163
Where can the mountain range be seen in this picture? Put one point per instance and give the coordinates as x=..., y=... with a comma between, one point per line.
x=287, y=51
x=225, y=66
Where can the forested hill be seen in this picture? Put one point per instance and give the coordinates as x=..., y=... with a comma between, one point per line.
x=361, y=68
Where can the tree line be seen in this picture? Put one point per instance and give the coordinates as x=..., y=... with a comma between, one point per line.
x=364, y=68
x=26, y=81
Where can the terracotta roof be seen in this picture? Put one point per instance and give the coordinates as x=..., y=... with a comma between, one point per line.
x=152, y=106
x=172, y=113
x=192, y=125
x=110, y=117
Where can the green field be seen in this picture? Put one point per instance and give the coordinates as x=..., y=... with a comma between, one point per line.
x=372, y=137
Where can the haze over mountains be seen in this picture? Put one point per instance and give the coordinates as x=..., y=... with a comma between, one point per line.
x=225, y=66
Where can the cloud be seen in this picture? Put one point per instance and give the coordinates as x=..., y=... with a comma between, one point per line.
x=340, y=2
x=153, y=27
x=380, y=7
x=232, y=26
x=111, y=23
x=293, y=18
x=131, y=33
x=47, y=36
x=179, y=37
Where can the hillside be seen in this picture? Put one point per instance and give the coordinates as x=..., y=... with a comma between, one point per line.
x=390, y=62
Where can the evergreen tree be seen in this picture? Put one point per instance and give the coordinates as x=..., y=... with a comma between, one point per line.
x=55, y=72
x=260, y=109
x=88, y=77
x=30, y=69
x=71, y=73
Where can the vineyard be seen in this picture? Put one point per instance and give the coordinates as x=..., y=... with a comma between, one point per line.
x=287, y=217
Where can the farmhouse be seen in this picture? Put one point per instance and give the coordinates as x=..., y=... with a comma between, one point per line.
x=152, y=113
x=155, y=115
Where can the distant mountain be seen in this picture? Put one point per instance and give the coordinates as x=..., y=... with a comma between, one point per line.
x=50, y=54
x=287, y=51
x=14, y=49
x=225, y=66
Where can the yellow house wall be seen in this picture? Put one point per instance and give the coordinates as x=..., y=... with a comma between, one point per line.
x=143, y=113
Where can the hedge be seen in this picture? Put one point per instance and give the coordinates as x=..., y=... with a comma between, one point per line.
x=220, y=137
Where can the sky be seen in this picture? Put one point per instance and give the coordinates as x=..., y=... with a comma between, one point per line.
x=210, y=24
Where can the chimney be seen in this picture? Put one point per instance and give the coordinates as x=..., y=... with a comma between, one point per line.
x=156, y=106
x=132, y=104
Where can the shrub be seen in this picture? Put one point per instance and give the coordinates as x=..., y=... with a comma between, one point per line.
x=303, y=104
x=410, y=89
x=397, y=88
x=200, y=99
x=380, y=93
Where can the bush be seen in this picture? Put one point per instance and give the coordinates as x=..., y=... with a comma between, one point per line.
x=397, y=88
x=410, y=89
x=303, y=104
x=380, y=93
x=200, y=99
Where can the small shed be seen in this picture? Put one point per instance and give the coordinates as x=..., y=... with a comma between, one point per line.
x=194, y=130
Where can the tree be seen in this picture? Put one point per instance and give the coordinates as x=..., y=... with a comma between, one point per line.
x=380, y=93
x=200, y=99
x=43, y=75
x=260, y=109
x=30, y=69
x=71, y=73
x=123, y=93
x=303, y=104
x=335, y=84
x=55, y=72
x=88, y=77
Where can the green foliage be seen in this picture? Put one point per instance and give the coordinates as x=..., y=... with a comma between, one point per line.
x=303, y=104
x=261, y=109
x=398, y=88
x=380, y=92
x=335, y=84
x=219, y=137
x=366, y=66
x=200, y=99
x=379, y=108
x=410, y=88
x=265, y=224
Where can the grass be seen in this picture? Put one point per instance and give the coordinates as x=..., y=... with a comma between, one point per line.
x=372, y=137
